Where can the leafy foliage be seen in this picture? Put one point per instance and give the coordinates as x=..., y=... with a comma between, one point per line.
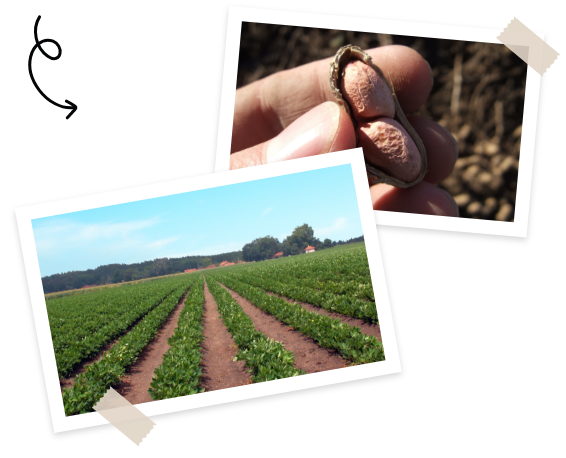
x=267, y=359
x=82, y=325
x=337, y=280
x=299, y=239
x=260, y=249
x=180, y=372
x=91, y=385
x=328, y=332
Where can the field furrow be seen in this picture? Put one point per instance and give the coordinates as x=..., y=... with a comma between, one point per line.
x=266, y=358
x=349, y=341
x=309, y=356
x=215, y=329
x=91, y=385
x=180, y=372
x=367, y=328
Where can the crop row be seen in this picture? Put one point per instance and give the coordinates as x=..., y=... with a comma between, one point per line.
x=267, y=358
x=352, y=288
x=333, y=264
x=344, y=304
x=338, y=271
x=328, y=332
x=92, y=384
x=82, y=327
x=180, y=372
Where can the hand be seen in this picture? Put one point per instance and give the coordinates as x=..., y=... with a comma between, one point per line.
x=291, y=114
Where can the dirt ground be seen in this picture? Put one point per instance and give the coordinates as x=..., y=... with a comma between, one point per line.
x=220, y=371
x=137, y=381
x=219, y=368
x=366, y=328
x=309, y=356
x=478, y=95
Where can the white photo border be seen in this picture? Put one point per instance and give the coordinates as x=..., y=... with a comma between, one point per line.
x=25, y=215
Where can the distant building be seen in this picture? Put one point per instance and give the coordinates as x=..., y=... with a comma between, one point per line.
x=277, y=255
x=228, y=264
x=189, y=270
x=310, y=249
x=211, y=266
x=223, y=263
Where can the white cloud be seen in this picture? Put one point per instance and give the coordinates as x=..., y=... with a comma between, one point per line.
x=338, y=225
x=89, y=232
x=53, y=236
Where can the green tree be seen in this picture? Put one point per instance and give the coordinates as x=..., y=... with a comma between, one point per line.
x=261, y=248
x=160, y=267
x=300, y=238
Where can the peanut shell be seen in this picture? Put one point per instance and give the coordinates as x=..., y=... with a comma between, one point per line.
x=345, y=55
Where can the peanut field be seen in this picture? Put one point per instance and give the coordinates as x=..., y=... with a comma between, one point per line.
x=231, y=326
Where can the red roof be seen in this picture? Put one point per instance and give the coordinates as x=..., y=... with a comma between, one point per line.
x=310, y=248
x=223, y=263
x=228, y=264
x=190, y=270
x=210, y=266
x=277, y=255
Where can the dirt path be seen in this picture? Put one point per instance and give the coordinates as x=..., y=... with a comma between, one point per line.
x=219, y=350
x=366, y=328
x=309, y=356
x=136, y=383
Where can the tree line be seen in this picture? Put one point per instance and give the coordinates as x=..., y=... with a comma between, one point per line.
x=116, y=273
x=301, y=237
x=257, y=250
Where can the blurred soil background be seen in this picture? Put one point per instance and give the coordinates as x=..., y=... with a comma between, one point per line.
x=478, y=95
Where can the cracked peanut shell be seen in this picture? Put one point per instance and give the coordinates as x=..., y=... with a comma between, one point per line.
x=343, y=57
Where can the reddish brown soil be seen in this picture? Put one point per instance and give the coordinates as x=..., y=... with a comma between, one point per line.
x=366, y=328
x=309, y=356
x=219, y=350
x=136, y=383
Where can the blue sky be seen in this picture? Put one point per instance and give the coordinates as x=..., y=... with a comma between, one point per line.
x=205, y=222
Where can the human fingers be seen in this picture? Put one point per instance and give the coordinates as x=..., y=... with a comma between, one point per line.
x=423, y=198
x=324, y=129
x=265, y=107
x=441, y=148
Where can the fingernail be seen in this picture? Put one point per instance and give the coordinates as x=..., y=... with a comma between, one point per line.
x=310, y=135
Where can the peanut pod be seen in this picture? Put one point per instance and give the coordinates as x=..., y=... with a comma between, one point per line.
x=343, y=57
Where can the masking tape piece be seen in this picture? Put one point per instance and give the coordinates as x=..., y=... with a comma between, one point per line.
x=528, y=46
x=124, y=416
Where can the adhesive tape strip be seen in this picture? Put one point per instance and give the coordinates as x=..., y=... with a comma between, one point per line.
x=528, y=46
x=124, y=416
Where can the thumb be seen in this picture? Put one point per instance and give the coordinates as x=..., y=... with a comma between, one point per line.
x=324, y=129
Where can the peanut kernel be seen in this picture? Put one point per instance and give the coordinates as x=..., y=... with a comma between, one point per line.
x=365, y=91
x=387, y=144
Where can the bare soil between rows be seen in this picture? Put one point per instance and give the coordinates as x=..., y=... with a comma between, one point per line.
x=309, y=356
x=68, y=382
x=136, y=383
x=219, y=369
x=365, y=327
